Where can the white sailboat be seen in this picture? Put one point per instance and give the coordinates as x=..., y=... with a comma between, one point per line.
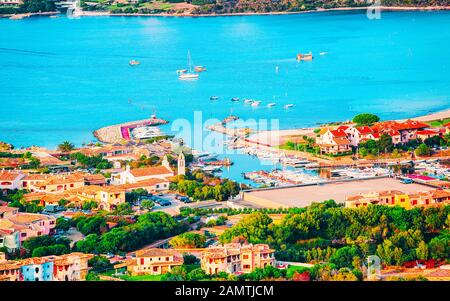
x=189, y=75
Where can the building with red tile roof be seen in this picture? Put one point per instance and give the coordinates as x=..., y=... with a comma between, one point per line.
x=235, y=258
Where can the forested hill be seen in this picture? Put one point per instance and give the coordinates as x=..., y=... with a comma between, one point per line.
x=197, y=7
x=242, y=6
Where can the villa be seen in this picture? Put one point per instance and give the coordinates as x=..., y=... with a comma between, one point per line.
x=333, y=141
x=28, y=224
x=342, y=138
x=154, y=262
x=234, y=258
x=135, y=175
x=59, y=183
x=67, y=267
x=10, y=180
x=70, y=267
x=395, y=197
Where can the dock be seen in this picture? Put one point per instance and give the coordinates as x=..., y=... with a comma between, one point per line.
x=121, y=132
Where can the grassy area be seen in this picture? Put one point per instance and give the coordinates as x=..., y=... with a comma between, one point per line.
x=141, y=278
x=189, y=267
x=292, y=269
x=438, y=123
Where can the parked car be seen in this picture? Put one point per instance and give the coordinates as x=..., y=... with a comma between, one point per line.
x=164, y=203
x=185, y=199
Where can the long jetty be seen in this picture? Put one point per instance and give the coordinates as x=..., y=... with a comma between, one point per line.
x=121, y=132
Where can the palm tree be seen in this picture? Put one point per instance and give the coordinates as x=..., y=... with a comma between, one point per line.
x=66, y=146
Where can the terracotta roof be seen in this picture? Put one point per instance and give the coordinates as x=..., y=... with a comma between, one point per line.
x=155, y=252
x=364, y=130
x=427, y=132
x=440, y=194
x=341, y=141
x=63, y=179
x=338, y=133
x=36, y=177
x=447, y=125
x=9, y=176
x=150, y=171
x=4, y=209
x=141, y=184
x=25, y=218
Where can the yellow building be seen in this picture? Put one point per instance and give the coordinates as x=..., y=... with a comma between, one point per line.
x=154, y=262
x=235, y=258
x=59, y=183
x=398, y=198
x=107, y=197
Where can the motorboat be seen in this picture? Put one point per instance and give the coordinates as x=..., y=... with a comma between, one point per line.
x=146, y=132
x=288, y=106
x=214, y=98
x=256, y=103
x=199, y=68
x=304, y=57
x=134, y=63
x=272, y=104
x=235, y=99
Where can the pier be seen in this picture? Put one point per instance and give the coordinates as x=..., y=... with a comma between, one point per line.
x=121, y=132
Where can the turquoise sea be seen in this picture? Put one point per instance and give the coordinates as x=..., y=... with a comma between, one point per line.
x=62, y=78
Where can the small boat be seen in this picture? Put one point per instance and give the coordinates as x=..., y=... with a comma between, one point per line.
x=288, y=106
x=235, y=99
x=214, y=98
x=181, y=71
x=272, y=104
x=188, y=75
x=323, y=53
x=199, y=68
x=248, y=101
x=256, y=103
x=304, y=57
x=134, y=63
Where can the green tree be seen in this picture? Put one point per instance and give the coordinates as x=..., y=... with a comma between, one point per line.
x=188, y=240
x=422, y=150
x=422, y=251
x=66, y=147
x=147, y=204
x=62, y=224
x=366, y=119
x=100, y=264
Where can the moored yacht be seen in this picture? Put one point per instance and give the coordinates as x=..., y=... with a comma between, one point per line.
x=188, y=75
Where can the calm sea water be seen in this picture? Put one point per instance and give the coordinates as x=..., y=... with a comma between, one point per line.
x=60, y=79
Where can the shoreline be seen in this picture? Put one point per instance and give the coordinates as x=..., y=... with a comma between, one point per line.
x=383, y=8
x=190, y=15
x=273, y=137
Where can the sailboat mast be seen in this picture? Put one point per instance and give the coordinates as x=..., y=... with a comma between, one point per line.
x=189, y=61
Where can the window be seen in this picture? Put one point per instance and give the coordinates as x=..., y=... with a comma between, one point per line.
x=142, y=260
x=245, y=256
x=155, y=269
x=246, y=266
x=167, y=258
